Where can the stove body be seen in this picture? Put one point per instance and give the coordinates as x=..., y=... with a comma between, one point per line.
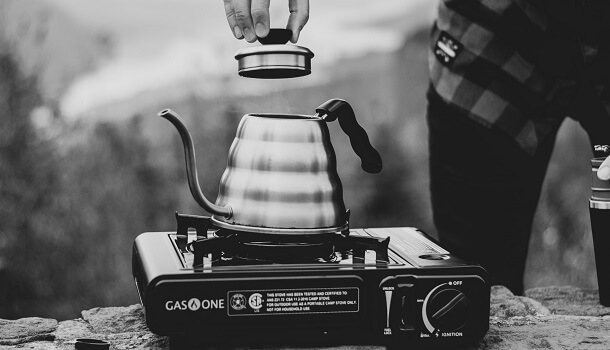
x=416, y=293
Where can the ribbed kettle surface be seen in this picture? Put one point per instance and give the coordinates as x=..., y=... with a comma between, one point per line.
x=282, y=173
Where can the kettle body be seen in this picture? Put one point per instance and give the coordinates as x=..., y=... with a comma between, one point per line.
x=281, y=175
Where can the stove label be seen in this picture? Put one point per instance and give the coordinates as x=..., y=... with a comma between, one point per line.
x=194, y=304
x=293, y=301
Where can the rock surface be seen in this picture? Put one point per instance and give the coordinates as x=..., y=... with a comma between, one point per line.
x=569, y=301
x=546, y=318
x=26, y=330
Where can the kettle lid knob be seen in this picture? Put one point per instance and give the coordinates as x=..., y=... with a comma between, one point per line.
x=276, y=36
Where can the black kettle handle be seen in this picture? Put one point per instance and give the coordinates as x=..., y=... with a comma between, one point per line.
x=340, y=109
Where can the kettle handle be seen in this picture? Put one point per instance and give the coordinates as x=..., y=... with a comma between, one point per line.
x=340, y=109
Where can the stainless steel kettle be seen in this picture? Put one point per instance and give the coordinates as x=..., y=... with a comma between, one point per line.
x=281, y=175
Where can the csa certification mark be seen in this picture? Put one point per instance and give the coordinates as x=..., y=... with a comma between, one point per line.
x=256, y=301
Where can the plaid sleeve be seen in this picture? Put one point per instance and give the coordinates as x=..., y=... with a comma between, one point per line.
x=492, y=74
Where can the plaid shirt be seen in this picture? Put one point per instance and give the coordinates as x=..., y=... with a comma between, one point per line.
x=521, y=66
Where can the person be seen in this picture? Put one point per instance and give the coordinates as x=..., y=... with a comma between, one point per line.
x=503, y=77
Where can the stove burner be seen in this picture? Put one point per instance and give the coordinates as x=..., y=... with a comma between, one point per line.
x=235, y=245
x=285, y=252
x=258, y=248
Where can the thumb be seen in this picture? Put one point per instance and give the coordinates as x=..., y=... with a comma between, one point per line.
x=603, y=173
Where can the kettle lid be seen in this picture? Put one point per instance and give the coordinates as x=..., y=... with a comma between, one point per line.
x=274, y=59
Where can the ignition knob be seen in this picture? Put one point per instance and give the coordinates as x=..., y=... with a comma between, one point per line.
x=448, y=310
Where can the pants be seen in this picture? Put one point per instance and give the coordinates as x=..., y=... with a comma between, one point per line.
x=485, y=191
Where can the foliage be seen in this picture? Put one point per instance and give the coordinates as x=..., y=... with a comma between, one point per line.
x=27, y=186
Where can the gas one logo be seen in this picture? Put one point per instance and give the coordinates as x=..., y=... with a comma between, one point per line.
x=194, y=304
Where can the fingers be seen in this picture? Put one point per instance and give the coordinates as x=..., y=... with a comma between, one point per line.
x=243, y=18
x=299, y=15
x=260, y=17
x=230, y=12
x=249, y=19
x=603, y=173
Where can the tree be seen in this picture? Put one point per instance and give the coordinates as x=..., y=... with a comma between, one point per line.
x=27, y=183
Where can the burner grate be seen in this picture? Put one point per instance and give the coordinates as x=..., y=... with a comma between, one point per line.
x=225, y=247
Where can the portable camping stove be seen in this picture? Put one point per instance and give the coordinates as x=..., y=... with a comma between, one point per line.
x=378, y=286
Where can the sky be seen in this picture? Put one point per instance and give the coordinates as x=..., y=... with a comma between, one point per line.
x=159, y=43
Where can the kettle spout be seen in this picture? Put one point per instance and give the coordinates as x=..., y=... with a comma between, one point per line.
x=191, y=166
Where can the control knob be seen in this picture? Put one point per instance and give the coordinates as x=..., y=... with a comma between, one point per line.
x=445, y=309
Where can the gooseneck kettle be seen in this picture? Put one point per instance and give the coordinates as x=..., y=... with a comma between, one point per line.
x=281, y=175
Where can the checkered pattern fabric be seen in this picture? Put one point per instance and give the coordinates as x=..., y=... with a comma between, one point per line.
x=518, y=65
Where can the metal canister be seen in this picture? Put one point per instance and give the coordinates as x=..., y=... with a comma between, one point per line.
x=599, y=209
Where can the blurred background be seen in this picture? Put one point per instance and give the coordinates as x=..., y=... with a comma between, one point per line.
x=85, y=164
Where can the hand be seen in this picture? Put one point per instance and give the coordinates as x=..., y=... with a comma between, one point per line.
x=250, y=18
x=603, y=173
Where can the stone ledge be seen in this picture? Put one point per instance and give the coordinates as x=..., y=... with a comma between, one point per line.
x=546, y=318
x=569, y=301
x=26, y=330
